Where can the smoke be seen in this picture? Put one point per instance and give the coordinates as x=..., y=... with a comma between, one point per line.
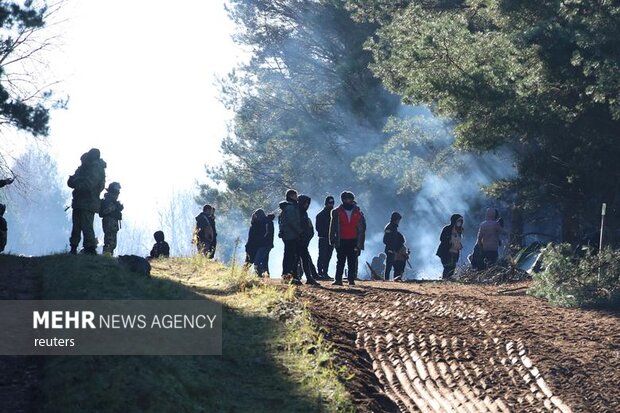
x=37, y=221
x=440, y=197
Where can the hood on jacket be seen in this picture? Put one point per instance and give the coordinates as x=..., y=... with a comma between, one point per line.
x=491, y=214
x=454, y=218
x=159, y=236
x=302, y=199
x=258, y=216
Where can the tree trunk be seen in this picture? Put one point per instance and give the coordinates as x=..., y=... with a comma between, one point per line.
x=570, y=224
x=516, y=227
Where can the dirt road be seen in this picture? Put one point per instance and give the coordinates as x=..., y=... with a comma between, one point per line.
x=435, y=347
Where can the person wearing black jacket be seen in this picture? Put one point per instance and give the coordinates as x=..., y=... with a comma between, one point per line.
x=394, y=242
x=256, y=234
x=450, y=245
x=265, y=244
x=211, y=218
x=325, y=249
x=160, y=249
x=306, y=237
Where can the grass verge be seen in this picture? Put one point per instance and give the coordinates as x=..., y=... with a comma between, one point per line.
x=274, y=359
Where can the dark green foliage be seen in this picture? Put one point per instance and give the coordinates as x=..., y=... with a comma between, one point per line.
x=570, y=281
x=20, y=109
x=538, y=77
x=306, y=104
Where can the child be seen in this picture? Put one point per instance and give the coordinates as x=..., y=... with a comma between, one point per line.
x=110, y=213
x=161, y=247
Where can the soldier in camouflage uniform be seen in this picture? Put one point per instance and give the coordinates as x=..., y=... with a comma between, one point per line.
x=111, y=216
x=87, y=182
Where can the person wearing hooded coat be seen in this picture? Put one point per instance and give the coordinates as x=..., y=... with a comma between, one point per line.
x=290, y=230
x=450, y=245
x=264, y=242
x=160, y=249
x=87, y=183
x=256, y=233
x=394, y=242
x=309, y=270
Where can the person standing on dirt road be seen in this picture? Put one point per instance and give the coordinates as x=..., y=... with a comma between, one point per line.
x=450, y=245
x=394, y=241
x=303, y=203
x=87, y=182
x=290, y=231
x=489, y=237
x=322, y=228
x=347, y=233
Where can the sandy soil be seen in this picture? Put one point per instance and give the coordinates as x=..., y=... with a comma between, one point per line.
x=444, y=347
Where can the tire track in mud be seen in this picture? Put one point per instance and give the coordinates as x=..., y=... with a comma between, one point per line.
x=437, y=354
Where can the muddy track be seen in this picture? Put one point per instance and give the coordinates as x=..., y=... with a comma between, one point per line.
x=421, y=349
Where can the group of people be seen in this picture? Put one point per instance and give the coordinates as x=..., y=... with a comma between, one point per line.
x=87, y=183
x=342, y=228
x=486, y=249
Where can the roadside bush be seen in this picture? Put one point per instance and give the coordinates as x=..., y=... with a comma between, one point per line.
x=567, y=280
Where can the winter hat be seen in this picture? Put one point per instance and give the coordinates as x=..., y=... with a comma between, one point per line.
x=346, y=195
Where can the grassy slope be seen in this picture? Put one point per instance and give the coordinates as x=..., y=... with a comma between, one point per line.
x=273, y=359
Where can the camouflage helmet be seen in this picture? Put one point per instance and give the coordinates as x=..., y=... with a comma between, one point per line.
x=114, y=187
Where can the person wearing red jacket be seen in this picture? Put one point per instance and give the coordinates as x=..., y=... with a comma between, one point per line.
x=347, y=233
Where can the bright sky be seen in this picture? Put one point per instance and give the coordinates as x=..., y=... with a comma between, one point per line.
x=141, y=80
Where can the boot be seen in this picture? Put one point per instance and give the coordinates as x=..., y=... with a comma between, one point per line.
x=73, y=250
x=90, y=251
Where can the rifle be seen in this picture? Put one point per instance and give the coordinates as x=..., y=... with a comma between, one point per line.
x=373, y=273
